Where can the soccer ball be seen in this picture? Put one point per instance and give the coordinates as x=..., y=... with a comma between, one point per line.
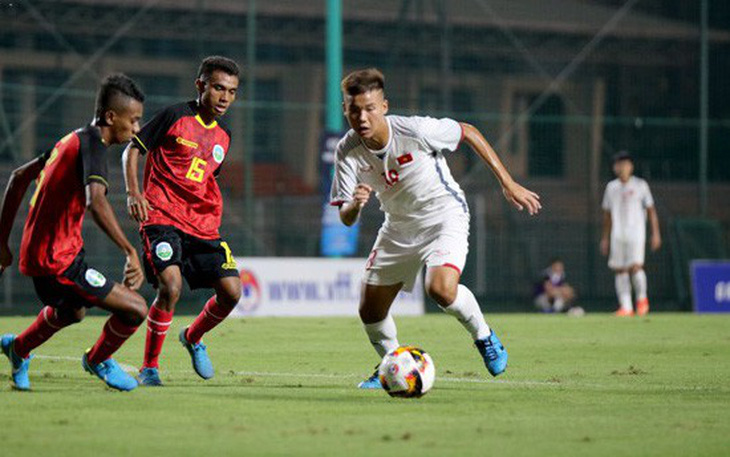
x=407, y=372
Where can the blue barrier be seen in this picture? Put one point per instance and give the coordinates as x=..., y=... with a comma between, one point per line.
x=710, y=286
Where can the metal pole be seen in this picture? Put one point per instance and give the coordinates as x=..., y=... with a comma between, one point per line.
x=480, y=238
x=248, y=153
x=704, y=104
x=446, y=97
x=333, y=115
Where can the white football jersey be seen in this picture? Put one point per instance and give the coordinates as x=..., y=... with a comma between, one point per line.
x=627, y=203
x=409, y=175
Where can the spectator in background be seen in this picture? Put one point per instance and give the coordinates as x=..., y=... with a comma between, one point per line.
x=552, y=293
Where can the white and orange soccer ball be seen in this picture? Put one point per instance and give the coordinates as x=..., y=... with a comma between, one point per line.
x=407, y=372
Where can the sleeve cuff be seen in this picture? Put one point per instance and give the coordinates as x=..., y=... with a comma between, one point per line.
x=137, y=142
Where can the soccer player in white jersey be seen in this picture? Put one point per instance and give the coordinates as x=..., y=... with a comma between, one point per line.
x=626, y=203
x=426, y=215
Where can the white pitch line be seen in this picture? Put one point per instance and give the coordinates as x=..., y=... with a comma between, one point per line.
x=357, y=376
x=132, y=369
x=125, y=367
x=448, y=379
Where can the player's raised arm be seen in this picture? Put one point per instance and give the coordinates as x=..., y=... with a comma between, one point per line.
x=18, y=184
x=519, y=196
x=137, y=206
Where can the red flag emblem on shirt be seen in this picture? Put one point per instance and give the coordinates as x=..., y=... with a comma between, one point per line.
x=404, y=159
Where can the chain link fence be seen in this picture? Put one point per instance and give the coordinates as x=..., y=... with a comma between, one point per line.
x=556, y=87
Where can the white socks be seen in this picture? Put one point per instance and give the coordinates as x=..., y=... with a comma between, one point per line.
x=383, y=335
x=623, y=291
x=466, y=309
x=638, y=279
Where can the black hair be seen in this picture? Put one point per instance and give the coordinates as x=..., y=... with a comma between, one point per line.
x=111, y=89
x=622, y=155
x=363, y=81
x=213, y=63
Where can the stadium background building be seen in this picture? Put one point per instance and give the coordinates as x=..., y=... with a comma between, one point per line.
x=557, y=87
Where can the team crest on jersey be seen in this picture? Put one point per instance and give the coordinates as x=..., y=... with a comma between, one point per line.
x=164, y=251
x=218, y=153
x=95, y=278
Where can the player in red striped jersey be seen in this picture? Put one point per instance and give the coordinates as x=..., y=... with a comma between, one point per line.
x=71, y=179
x=180, y=212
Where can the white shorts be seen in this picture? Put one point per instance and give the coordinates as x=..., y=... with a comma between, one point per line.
x=626, y=253
x=399, y=254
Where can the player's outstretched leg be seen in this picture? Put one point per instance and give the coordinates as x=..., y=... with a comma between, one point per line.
x=129, y=311
x=379, y=325
x=158, y=323
x=494, y=354
x=199, y=355
x=159, y=320
x=383, y=336
x=216, y=309
x=47, y=323
x=18, y=365
x=442, y=284
x=466, y=310
x=110, y=372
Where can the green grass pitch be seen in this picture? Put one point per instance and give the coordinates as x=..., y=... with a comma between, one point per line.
x=598, y=386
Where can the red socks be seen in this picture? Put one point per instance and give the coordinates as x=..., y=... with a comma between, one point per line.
x=45, y=326
x=158, y=323
x=212, y=315
x=114, y=334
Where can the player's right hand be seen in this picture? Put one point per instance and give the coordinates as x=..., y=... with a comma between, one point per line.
x=361, y=195
x=133, y=274
x=6, y=258
x=137, y=207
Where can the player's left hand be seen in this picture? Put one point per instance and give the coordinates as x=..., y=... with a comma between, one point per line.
x=138, y=207
x=522, y=198
x=656, y=242
x=133, y=275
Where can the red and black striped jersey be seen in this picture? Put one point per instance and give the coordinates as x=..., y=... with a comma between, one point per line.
x=52, y=233
x=183, y=160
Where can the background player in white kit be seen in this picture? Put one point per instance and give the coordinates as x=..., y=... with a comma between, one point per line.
x=626, y=203
x=426, y=216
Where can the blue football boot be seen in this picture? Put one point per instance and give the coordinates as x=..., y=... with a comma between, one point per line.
x=373, y=382
x=493, y=353
x=19, y=366
x=201, y=361
x=111, y=373
x=149, y=377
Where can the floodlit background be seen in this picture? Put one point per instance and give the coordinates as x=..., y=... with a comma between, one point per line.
x=556, y=86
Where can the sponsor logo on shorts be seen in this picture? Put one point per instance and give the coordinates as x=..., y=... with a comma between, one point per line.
x=164, y=251
x=95, y=278
x=218, y=153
